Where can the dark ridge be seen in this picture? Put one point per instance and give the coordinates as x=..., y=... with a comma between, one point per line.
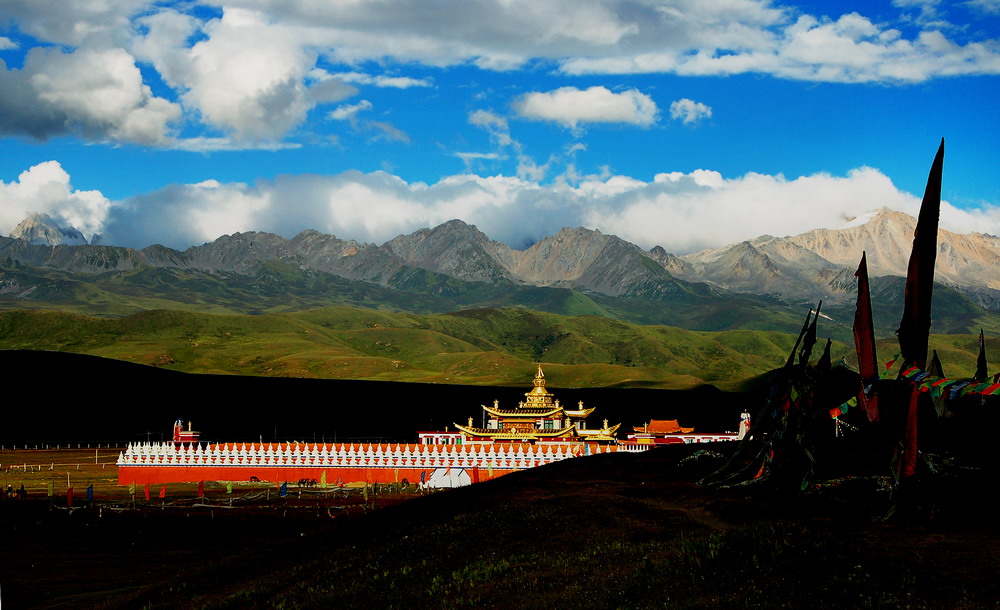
x=56, y=397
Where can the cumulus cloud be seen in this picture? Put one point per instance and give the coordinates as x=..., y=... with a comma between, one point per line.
x=689, y=111
x=570, y=106
x=75, y=23
x=6, y=44
x=250, y=69
x=247, y=77
x=45, y=188
x=683, y=212
x=96, y=94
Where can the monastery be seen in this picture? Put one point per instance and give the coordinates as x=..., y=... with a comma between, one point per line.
x=538, y=431
x=538, y=419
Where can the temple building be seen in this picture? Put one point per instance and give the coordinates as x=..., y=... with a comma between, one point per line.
x=537, y=419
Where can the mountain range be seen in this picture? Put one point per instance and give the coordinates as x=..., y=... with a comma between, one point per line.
x=761, y=283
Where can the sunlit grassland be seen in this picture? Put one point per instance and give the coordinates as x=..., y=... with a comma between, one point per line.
x=477, y=346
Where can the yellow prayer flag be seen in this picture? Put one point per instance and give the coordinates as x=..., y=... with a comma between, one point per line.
x=229, y=487
x=51, y=493
x=131, y=488
x=322, y=479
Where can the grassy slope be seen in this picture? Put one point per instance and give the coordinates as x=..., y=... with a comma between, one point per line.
x=484, y=346
x=475, y=346
x=610, y=531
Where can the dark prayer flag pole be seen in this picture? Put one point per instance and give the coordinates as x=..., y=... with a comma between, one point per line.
x=915, y=327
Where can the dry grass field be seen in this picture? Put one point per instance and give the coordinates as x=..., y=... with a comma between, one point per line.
x=613, y=530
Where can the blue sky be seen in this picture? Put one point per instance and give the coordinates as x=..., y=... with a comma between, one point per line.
x=681, y=123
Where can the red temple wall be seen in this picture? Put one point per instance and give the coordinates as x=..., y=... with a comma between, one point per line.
x=140, y=475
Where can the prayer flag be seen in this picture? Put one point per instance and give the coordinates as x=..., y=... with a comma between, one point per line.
x=936, y=368
x=229, y=487
x=915, y=325
x=145, y=491
x=51, y=493
x=201, y=489
x=69, y=496
x=90, y=491
x=981, y=373
x=864, y=343
x=131, y=488
x=322, y=479
x=283, y=491
x=809, y=340
x=163, y=491
x=802, y=333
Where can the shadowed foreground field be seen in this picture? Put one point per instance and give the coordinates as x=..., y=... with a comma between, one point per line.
x=612, y=530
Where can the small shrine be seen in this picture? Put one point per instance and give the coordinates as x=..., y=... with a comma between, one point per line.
x=538, y=418
x=184, y=436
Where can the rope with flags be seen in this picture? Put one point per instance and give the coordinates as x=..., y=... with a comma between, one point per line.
x=853, y=402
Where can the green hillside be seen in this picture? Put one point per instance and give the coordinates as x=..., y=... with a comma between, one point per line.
x=476, y=346
x=483, y=346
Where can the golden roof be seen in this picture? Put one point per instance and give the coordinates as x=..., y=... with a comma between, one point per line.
x=523, y=411
x=513, y=434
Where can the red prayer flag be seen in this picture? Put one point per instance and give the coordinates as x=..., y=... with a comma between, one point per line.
x=163, y=491
x=145, y=491
x=864, y=342
x=69, y=496
x=201, y=489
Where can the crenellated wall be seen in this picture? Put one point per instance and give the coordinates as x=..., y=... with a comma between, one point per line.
x=371, y=463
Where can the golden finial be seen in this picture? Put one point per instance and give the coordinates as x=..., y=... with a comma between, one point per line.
x=539, y=378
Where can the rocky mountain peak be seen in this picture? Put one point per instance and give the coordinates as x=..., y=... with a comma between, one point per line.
x=40, y=228
x=454, y=248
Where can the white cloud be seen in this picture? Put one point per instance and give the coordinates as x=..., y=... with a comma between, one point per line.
x=388, y=131
x=254, y=73
x=381, y=80
x=382, y=130
x=494, y=124
x=349, y=111
x=247, y=76
x=603, y=36
x=570, y=106
x=683, y=212
x=98, y=95
x=989, y=7
x=103, y=22
x=7, y=44
x=45, y=188
x=689, y=111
